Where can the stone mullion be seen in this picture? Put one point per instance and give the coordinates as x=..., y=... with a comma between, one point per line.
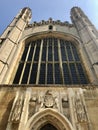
x=53, y=61
x=25, y=62
x=68, y=63
x=60, y=60
x=78, y=76
x=39, y=62
x=31, y=64
x=46, y=62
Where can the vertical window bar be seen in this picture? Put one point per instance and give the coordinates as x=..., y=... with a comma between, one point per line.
x=44, y=52
x=33, y=73
x=24, y=54
x=26, y=73
x=76, y=57
x=68, y=63
x=56, y=58
x=30, y=53
x=36, y=58
x=53, y=61
x=46, y=62
x=70, y=58
x=18, y=73
x=60, y=60
x=63, y=51
x=33, y=45
x=50, y=58
x=39, y=61
x=71, y=50
x=24, y=64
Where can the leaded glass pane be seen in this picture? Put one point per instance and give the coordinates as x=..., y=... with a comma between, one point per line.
x=18, y=74
x=36, y=57
x=63, y=54
x=83, y=79
x=42, y=73
x=74, y=77
x=44, y=53
x=69, y=53
x=24, y=54
x=33, y=74
x=67, y=78
x=25, y=74
x=50, y=56
x=50, y=74
x=30, y=54
x=56, y=57
x=58, y=78
x=76, y=56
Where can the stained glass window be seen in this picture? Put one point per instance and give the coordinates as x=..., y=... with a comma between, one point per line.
x=50, y=61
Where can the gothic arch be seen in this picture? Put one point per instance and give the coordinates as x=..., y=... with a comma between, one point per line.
x=50, y=116
x=62, y=35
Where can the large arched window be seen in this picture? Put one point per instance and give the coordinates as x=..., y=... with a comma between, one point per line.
x=50, y=61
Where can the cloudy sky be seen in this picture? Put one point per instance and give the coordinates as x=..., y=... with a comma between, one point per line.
x=44, y=9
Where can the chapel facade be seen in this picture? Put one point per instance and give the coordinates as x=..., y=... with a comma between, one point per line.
x=49, y=74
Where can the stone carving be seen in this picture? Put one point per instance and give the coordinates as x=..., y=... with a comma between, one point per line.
x=80, y=108
x=16, y=113
x=48, y=101
x=65, y=107
x=32, y=104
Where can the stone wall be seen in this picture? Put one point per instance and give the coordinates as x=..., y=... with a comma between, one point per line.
x=18, y=105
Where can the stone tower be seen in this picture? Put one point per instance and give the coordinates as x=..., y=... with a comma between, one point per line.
x=49, y=74
x=10, y=40
x=89, y=37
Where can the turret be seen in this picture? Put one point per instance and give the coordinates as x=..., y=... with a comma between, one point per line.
x=88, y=35
x=10, y=39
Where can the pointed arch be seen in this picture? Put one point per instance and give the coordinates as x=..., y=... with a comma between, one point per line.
x=48, y=116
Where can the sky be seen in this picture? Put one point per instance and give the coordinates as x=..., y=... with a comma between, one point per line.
x=44, y=9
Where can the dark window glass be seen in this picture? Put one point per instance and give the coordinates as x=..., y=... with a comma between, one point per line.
x=83, y=79
x=26, y=73
x=36, y=57
x=63, y=54
x=76, y=56
x=58, y=78
x=69, y=52
x=30, y=54
x=44, y=54
x=56, y=57
x=24, y=54
x=42, y=74
x=33, y=74
x=67, y=78
x=74, y=74
x=50, y=56
x=55, y=42
x=18, y=74
x=50, y=74
x=51, y=70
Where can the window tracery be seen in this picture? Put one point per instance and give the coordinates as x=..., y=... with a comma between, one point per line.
x=50, y=61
